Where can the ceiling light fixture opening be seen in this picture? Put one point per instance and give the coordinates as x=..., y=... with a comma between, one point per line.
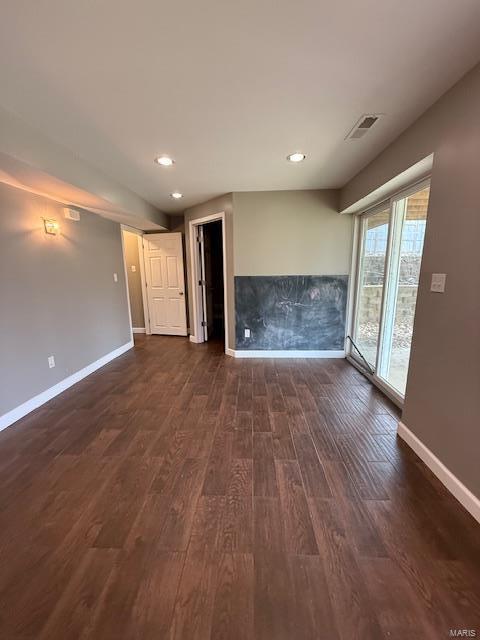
x=176, y=195
x=296, y=157
x=165, y=161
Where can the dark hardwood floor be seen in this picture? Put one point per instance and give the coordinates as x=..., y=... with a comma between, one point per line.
x=178, y=493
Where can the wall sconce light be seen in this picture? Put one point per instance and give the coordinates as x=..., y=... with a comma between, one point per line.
x=51, y=226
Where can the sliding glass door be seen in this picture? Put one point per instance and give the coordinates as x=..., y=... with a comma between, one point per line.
x=390, y=253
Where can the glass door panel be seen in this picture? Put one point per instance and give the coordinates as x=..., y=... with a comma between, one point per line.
x=408, y=234
x=371, y=278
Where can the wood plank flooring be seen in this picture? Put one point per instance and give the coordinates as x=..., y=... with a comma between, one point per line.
x=181, y=494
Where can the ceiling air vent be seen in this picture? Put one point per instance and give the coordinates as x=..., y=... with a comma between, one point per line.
x=365, y=123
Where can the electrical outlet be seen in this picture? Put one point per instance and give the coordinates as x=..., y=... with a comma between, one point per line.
x=438, y=282
x=51, y=362
x=247, y=333
x=115, y=277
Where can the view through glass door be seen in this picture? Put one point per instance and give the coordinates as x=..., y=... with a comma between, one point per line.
x=390, y=254
x=371, y=280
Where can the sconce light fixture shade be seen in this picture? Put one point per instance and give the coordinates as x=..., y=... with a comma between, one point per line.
x=51, y=226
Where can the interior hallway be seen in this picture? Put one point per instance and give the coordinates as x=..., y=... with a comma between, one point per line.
x=179, y=493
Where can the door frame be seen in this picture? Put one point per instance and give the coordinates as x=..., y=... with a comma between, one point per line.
x=196, y=333
x=360, y=217
x=203, y=288
x=146, y=315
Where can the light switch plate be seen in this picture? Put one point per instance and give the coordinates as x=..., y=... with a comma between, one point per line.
x=51, y=362
x=438, y=282
x=133, y=268
x=247, y=333
x=115, y=277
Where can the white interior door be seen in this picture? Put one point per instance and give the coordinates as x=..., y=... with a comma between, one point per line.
x=165, y=281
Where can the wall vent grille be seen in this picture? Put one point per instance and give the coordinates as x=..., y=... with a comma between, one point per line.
x=71, y=214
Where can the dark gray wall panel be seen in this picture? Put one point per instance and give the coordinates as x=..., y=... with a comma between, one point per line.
x=291, y=312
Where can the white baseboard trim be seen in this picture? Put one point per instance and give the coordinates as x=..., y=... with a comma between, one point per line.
x=260, y=353
x=466, y=498
x=230, y=352
x=138, y=329
x=19, y=412
x=194, y=339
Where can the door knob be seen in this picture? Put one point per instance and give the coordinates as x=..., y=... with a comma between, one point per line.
x=180, y=293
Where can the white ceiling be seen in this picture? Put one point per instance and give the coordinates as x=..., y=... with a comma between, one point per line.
x=229, y=87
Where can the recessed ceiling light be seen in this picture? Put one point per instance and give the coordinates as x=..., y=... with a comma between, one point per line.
x=176, y=195
x=165, y=161
x=296, y=157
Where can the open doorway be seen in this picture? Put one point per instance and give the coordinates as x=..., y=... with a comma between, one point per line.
x=155, y=276
x=208, y=277
x=211, y=268
x=135, y=277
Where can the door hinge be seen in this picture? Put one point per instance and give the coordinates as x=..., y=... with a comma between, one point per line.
x=203, y=323
x=202, y=282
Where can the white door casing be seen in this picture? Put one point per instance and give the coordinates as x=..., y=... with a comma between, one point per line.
x=197, y=333
x=165, y=283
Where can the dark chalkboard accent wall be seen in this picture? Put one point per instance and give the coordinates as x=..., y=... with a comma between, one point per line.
x=291, y=312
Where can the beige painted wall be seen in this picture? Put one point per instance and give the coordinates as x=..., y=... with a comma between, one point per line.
x=278, y=233
x=216, y=205
x=290, y=233
x=57, y=295
x=442, y=404
x=130, y=243
x=422, y=138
